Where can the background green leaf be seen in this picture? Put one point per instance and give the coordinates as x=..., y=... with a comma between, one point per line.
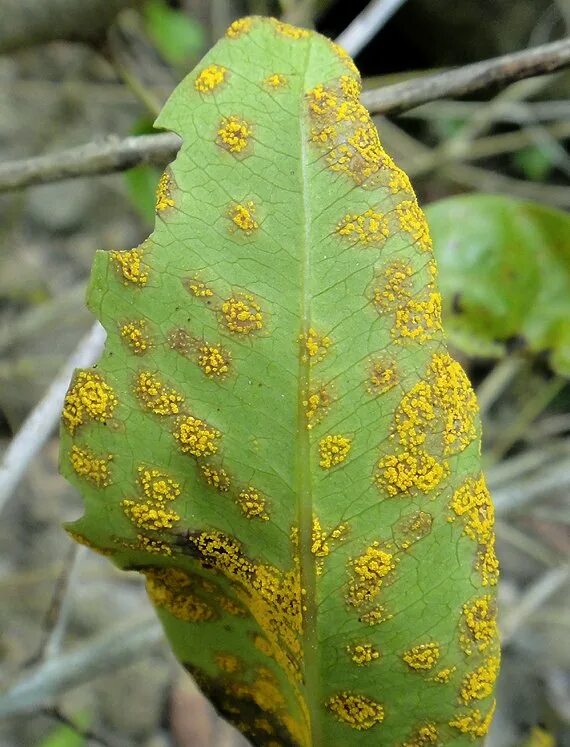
x=504, y=275
x=179, y=38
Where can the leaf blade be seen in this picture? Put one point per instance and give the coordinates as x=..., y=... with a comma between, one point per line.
x=288, y=438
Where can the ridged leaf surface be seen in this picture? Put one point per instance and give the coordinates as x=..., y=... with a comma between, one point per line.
x=276, y=435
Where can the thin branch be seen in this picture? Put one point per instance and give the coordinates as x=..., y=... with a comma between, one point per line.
x=527, y=544
x=123, y=65
x=105, y=654
x=103, y=157
x=116, y=154
x=528, y=462
x=39, y=425
x=533, y=599
x=57, y=616
x=367, y=24
x=545, y=137
x=485, y=180
x=517, y=112
x=53, y=312
x=496, y=382
x=534, y=405
x=514, y=496
x=461, y=142
x=464, y=80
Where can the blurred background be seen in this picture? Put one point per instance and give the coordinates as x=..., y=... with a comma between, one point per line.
x=64, y=609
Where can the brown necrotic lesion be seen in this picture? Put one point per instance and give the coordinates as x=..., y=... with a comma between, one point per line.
x=251, y=699
x=272, y=596
x=179, y=594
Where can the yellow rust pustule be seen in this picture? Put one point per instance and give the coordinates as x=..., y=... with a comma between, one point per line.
x=89, y=398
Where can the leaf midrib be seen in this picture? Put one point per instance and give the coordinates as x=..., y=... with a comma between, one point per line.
x=304, y=488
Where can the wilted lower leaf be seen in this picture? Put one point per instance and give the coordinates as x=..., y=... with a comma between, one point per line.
x=504, y=275
x=276, y=435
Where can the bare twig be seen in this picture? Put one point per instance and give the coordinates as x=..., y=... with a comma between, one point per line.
x=419, y=159
x=527, y=544
x=485, y=180
x=545, y=137
x=532, y=408
x=524, y=464
x=29, y=22
x=67, y=303
x=117, y=154
x=57, y=616
x=367, y=24
x=499, y=70
x=123, y=66
x=533, y=599
x=103, y=157
x=107, y=653
x=37, y=428
x=497, y=381
x=513, y=496
x=517, y=112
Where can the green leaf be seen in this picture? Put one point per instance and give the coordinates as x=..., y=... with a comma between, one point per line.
x=276, y=435
x=504, y=275
x=64, y=736
x=179, y=38
x=534, y=162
